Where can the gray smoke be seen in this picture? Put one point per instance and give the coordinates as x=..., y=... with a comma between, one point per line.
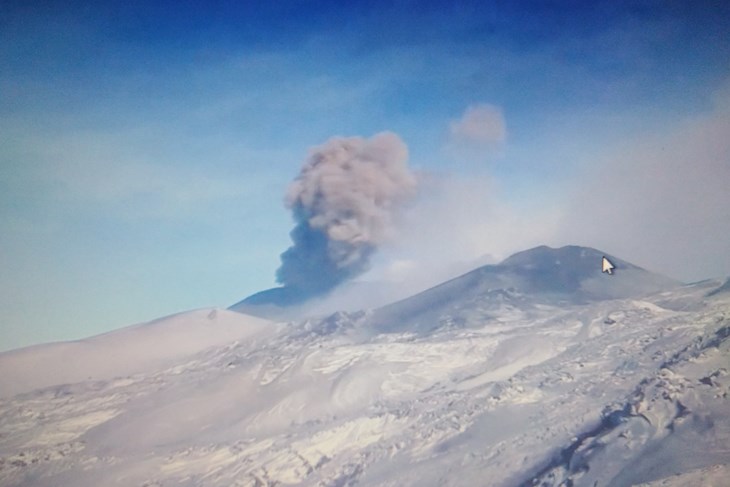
x=343, y=201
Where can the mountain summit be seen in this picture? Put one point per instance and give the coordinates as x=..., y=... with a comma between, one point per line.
x=576, y=273
x=569, y=275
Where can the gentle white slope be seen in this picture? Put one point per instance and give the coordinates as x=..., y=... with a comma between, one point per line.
x=142, y=347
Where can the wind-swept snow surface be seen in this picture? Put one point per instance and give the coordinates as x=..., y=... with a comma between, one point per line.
x=610, y=392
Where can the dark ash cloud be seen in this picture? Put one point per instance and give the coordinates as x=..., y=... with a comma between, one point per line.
x=344, y=201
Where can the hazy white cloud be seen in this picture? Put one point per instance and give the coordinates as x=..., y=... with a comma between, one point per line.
x=480, y=124
x=459, y=223
x=661, y=200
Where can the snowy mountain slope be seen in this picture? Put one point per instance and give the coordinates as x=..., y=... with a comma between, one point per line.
x=568, y=274
x=521, y=283
x=350, y=296
x=123, y=352
x=607, y=392
x=724, y=288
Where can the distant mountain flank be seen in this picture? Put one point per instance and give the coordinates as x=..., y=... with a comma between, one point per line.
x=277, y=303
x=126, y=351
x=576, y=271
x=569, y=275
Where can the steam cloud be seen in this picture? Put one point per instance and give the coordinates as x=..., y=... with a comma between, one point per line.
x=343, y=201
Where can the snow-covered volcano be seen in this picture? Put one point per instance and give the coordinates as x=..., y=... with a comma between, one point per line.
x=570, y=274
x=537, y=371
x=524, y=282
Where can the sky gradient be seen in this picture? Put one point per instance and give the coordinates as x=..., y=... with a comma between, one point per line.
x=146, y=147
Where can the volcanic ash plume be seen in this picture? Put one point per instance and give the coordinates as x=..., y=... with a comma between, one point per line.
x=343, y=201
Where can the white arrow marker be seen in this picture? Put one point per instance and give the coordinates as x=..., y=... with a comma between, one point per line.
x=607, y=266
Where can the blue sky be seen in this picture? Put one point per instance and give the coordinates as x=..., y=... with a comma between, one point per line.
x=145, y=147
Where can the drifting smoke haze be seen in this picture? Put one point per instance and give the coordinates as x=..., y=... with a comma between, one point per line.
x=344, y=202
